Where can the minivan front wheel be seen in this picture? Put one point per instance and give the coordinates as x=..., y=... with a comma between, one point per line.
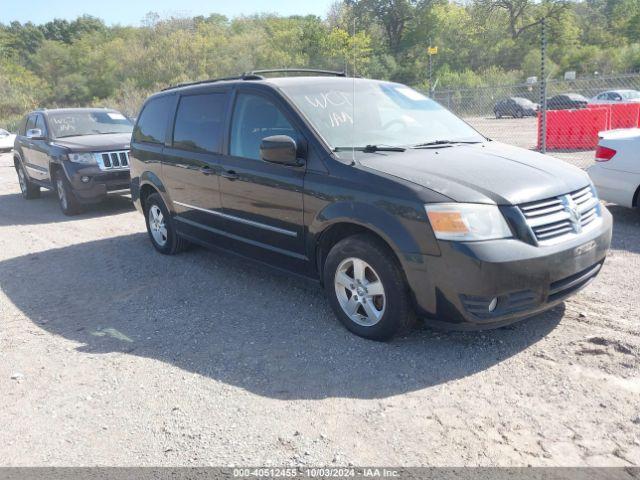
x=160, y=226
x=367, y=289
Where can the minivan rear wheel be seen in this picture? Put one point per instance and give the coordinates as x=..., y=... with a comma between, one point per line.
x=161, y=228
x=366, y=288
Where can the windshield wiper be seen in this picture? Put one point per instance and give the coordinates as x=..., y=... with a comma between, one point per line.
x=371, y=149
x=443, y=142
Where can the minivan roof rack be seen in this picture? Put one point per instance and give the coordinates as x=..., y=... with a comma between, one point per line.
x=244, y=76
x=257, y=75
x=298, y=70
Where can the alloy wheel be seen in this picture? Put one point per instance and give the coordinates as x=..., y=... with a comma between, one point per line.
x=157, y=225
x=360, y=292
x=62, y=194
x=22, y=180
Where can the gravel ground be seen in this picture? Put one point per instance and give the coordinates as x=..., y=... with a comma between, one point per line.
x=111, y=354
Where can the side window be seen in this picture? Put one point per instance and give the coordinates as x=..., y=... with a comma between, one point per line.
x=615, y=96
x=254, y=118
x=152, y=124
x=31, y=123
x=602, y=96
x=199, y=122
x=40, y=124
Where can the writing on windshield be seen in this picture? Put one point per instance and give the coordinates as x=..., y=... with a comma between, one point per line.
x=98, y=122
x=369, y=112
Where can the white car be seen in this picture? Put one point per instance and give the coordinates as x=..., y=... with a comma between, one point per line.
x=616, y=96
x=6, y=140
x=616, y=173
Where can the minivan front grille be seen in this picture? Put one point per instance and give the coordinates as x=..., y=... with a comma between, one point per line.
x=113, y=160
x=556, y=219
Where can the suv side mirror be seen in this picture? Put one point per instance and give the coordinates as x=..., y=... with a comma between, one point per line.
x=280, y=149
x=35, y=134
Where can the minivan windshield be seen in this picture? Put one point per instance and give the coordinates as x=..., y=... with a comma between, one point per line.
x=359, y=113
x=91, y=122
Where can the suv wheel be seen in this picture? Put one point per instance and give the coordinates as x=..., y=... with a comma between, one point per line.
x=29, y=189
x=66, y=198
x=160, y=227
x=366, y=288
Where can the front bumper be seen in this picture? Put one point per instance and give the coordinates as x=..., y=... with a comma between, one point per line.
x=454, y=290
x=100, y=183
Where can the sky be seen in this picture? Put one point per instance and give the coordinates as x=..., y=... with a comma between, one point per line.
x=131, y=12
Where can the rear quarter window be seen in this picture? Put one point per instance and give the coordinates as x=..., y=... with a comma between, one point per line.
x=152, y=124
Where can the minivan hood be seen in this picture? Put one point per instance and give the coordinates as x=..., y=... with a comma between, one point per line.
x=489, y=172
x=95, y=143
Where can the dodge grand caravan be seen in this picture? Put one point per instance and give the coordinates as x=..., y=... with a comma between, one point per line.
x=398, y=207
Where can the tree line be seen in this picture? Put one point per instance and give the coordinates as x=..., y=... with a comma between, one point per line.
x=480, y=43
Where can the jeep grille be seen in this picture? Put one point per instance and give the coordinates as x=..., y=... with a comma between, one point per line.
x=113, y=160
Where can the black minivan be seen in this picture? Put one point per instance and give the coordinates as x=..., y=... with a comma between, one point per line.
x=397, y=206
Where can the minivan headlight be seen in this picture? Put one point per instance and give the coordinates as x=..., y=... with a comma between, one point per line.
x=467, y=221
x=85, y=158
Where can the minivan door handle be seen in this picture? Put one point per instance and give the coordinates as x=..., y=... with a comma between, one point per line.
x=229, y=174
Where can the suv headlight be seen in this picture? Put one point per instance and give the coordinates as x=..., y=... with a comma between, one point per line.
x=467, y=221
x=85, y=158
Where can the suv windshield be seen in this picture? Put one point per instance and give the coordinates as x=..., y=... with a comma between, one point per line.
x=93, y=122
x=380, y=113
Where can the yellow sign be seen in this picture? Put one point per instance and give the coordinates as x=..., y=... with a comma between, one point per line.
x=432, y=50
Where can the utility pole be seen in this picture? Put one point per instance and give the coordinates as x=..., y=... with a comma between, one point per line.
x=430, y=69
x=431, y=51
x=542, y=141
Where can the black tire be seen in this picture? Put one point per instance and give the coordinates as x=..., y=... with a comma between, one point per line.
x=173, y=243
x=66, y=198
x=398, y=314
x=519, y=114
x=29, y=189
x=498, y=115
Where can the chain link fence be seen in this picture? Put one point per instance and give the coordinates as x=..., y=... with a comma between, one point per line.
x=577, y=110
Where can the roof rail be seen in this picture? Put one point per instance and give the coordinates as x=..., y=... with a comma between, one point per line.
x=298, y=70
x=257, y=75
x=244, y=76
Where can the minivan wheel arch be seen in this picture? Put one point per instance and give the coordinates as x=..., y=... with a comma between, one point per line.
x=340, y=230
x=149, y=180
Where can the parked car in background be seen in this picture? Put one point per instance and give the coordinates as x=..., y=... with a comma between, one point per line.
x=396, y=205
x=81, y=153
x=516, y=107
x=567, y=101
x=6, y=140
x=616, y=173
x=616, y=96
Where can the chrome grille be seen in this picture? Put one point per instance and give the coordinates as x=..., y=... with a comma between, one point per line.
x=555, y=219
x=113, y=160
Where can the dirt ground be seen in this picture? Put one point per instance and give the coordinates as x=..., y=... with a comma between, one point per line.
x=111, y=354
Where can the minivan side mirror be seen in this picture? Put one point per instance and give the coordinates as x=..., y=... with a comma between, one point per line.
x=280, y=149
x=35, y=134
